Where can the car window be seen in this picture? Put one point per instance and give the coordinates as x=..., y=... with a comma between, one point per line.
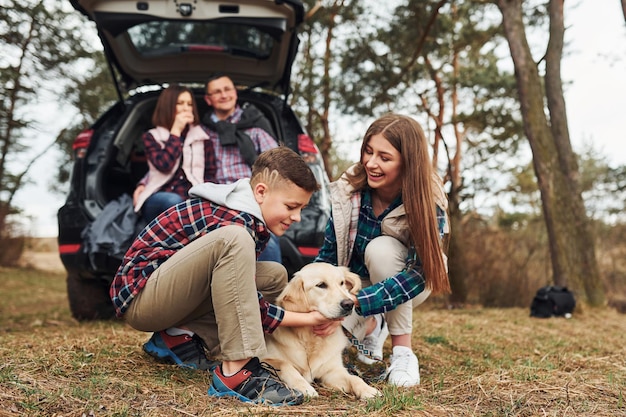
x=160, y=38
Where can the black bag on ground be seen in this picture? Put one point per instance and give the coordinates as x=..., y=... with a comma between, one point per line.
x=552, y=300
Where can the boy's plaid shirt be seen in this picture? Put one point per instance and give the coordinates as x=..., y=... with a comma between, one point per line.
x=170, y=232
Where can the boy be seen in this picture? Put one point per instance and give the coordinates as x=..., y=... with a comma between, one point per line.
x=193, y=272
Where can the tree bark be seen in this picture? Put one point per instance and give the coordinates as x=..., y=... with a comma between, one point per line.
x=326, y=141
x=456, y=261
x=572, y=247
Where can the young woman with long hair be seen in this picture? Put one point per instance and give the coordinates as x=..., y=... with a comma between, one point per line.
x=387, y=224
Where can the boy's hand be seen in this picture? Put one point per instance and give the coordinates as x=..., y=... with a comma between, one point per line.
x=327, y=328
x=319, y=324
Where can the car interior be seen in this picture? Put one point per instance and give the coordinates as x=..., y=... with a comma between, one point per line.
x=126, y=158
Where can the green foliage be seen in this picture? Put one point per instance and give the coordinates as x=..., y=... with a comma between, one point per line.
x=603, y=186
x=394, y=400
x=41, y=41
x=317, y=71
x=436, y=340
x=410, y=57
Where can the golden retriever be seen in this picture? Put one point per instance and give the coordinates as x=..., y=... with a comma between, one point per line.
x=297, y=353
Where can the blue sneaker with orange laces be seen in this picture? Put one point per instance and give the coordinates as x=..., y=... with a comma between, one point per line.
x=258, y=383
x=183, y=350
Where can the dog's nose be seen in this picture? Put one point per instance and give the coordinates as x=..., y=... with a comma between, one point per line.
x=347, y=304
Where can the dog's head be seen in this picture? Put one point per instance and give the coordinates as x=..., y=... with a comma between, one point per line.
x=321, y=287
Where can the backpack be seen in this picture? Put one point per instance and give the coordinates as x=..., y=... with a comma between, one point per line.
x=552, y=300
x=113, y=231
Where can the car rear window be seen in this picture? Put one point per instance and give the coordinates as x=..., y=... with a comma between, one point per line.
x=158, y=38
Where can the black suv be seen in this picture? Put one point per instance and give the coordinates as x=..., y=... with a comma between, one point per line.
x=150, y=44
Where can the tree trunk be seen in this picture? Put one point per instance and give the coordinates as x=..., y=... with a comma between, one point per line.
x=326, y=141
x=572, y=248
x=457, y=269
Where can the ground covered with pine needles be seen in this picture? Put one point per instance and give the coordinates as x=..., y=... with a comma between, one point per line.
x=474, y=362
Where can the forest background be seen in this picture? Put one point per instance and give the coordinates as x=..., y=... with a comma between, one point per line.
x=448, y=63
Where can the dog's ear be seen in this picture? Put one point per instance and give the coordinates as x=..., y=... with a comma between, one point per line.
x=293, y=297
x=353, y=281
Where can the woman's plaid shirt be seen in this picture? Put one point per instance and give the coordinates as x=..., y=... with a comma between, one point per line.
x=393, y=291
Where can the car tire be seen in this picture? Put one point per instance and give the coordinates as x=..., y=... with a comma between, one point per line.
x=89, y=298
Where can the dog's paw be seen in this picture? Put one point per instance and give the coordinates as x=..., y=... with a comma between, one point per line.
x=310, y=392
x=369, y=392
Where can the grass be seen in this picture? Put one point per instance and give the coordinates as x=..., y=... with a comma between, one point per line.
x=474, y=362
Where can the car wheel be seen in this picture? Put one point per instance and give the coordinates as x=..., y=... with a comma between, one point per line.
x=89, y=298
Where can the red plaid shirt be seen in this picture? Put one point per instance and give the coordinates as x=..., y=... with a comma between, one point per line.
x=164, y=159
x=171, y=231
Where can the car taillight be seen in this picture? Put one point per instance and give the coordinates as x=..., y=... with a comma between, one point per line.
x=308, y=251
x=308, y=149
x=306, y=144
x=68, y=249
x=81, y=143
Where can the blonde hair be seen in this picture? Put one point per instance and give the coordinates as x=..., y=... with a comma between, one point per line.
x=421, y=192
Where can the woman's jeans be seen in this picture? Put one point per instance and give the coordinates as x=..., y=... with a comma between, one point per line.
x=272, y=250
x=157, y=203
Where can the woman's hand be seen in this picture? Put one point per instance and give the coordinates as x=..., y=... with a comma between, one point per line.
x=355, y=300
x=137, y=192
x=181, y=121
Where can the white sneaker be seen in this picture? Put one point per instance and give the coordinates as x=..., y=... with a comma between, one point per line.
x=373, y=342
x=404, y=370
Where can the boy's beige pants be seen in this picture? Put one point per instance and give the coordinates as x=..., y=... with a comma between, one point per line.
x=209, y=287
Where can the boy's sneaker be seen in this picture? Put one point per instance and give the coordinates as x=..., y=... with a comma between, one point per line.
x=373, y=344
x=256, y=383
x=404, y=370
x=184, y=350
